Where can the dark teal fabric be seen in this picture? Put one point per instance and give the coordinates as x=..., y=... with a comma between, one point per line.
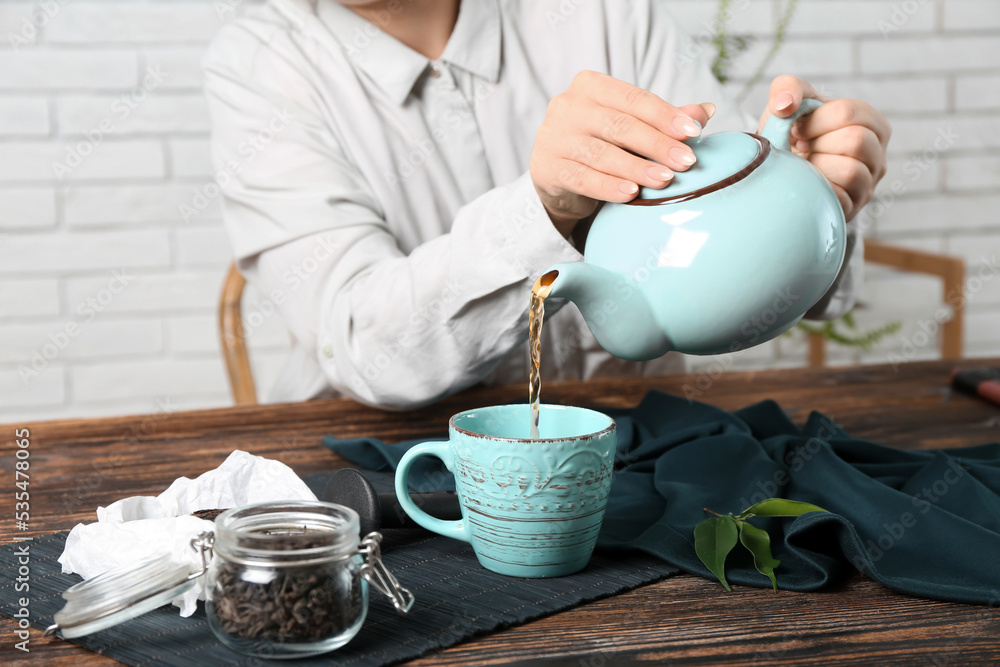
x=925, y=523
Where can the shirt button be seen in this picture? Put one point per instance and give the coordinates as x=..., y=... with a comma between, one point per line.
x=436, y=71
x=328, y=351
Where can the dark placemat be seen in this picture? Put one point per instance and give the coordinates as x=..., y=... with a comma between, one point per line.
x=456, y=599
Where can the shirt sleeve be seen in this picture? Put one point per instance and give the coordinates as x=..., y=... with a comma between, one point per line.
x=388, y=328
x=676, y=68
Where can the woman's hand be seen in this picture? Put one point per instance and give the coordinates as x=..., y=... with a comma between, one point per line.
x=845, y=139
x=589, y=146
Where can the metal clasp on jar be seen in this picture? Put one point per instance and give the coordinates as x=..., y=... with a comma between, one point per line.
x=204, y=544
x=376, y=573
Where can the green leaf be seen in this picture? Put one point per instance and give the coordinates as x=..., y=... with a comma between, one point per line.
x=779, y=507
x=713, y=540
x=831, y=332
x=758, y=543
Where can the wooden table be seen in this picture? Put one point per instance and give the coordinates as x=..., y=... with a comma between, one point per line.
x=77, y=465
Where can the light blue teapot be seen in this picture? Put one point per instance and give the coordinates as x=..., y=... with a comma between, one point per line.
x=730, y=254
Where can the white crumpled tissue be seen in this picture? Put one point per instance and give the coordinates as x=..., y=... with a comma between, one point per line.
x=140, y=527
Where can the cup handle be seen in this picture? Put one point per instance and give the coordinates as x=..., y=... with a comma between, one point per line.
x=776, y=129
x=458, y=530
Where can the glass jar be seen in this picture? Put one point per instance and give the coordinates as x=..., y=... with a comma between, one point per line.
x=284, y=579
x=291, y=578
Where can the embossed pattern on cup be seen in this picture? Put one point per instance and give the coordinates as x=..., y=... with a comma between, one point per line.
x=534, y=510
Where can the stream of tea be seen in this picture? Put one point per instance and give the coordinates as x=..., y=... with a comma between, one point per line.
x=536, y=313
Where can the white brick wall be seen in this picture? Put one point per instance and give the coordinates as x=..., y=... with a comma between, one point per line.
x=29, y=208
x=24, y=116
x=67, y=69
x=107, y=296
x=93, y=344
x=32, y=162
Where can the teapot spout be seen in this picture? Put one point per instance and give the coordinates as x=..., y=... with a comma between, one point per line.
x=615, y=308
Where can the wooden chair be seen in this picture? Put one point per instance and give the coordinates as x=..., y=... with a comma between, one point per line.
x=234, y=344
x=951, y=270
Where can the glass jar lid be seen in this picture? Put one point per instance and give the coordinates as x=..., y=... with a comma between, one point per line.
x=119, y=595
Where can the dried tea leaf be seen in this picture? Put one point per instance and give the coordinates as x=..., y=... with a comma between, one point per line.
x=713, y=540
x=780, y=507
x=758, y=543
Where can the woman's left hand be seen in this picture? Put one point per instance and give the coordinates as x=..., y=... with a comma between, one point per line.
x=845, y=139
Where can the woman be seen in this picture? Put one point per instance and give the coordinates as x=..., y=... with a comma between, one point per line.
x=435, y=157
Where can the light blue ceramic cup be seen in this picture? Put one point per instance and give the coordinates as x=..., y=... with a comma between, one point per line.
x=530, y=508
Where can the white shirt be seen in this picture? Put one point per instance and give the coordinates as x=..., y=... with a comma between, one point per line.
x=382, y=200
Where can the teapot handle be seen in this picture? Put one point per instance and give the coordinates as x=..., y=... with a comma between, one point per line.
x=776, y=129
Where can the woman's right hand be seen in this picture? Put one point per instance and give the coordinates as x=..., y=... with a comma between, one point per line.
x=587, y=148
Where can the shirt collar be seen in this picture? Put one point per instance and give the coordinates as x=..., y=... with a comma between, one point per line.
x=475, y=42
x=474, y=46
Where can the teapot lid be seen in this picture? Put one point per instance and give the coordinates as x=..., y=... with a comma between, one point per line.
x=721, y=156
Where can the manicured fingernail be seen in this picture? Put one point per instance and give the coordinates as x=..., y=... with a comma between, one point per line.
x=681, y=155
x=659, y=173
x=627, y=188
x=709, y=109
x=687, y=126
x=783, y=101
x=802, y=146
